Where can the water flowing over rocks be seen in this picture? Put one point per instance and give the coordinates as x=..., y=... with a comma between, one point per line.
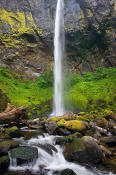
x=45, y=153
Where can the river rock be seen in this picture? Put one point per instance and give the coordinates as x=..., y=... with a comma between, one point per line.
x=73, y=125
x=24, y=154
x=110, y=140
x=84, y=150
x=51, y=127
x=6, y=145
x=101, y=122
x=48, y=148
x=68, y=172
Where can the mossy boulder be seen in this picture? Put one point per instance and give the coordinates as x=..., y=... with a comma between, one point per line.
x=4, y=163
x=109, y=140
x=12, y=131
x=6, y=133
x=101, y=122
x=83, y=150
x=24, y=154
x=68, y=172
x=6, y=145
x=74, y=125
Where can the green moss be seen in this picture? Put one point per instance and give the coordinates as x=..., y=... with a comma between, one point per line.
x=93, y=91
x=17, y=26
x=10, y=130
x=61, y=122
x=27, y=93
x=75, y=125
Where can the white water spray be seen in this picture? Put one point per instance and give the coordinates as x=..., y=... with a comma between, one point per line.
x=59, y=41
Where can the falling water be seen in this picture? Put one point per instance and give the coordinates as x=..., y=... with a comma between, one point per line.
x=59, y=40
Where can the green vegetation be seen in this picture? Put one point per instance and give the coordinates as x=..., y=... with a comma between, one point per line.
x=22, y=91
x=91, y=92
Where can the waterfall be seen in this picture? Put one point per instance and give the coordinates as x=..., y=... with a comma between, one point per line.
x=59, y=40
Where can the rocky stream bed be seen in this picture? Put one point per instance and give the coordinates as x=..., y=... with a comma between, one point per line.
x=59, y=145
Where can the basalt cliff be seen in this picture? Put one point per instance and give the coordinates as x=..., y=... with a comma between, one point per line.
x=27, y=30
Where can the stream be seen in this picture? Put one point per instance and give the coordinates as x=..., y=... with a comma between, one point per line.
x=50, y=164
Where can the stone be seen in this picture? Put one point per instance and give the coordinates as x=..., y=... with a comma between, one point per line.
x=51, y=127
x=106, y=151
x=48, y=148
x=68, y=172
x=74, y=125
x=24, y=154
x=6, y=145
x=101, y=122
x=84, y=150
x=109, y=140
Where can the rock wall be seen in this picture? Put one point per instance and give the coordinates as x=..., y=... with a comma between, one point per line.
x=27, y=29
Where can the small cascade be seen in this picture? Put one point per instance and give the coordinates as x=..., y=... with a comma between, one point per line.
x=51, y=164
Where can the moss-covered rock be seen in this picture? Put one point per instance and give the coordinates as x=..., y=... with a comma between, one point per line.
x=109, y=140
x=80, y=150
x=75, y=125
x=24, y=154
x=6, y=145
x=68, y=172
x=101, y=122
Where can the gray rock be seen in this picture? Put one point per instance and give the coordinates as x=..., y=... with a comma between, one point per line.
x=6, y=145
x=24, y=154
x=84, y=150
x=68, y=172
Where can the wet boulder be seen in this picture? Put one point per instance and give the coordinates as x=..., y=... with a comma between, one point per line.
x=109, y=140
x=51, y=126
x=84, y=150
x=6, y=145
x=24, y=154
x=68, y=172
x=48, y=148
x=101, y=122
x=73, y=125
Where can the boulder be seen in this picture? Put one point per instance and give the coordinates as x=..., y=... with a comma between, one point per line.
x=73, y=125
x=101, y=122
x=24, y=154
x=109, y=140
x=68, y=172
x=6, y=145
x=105, y=151
x=48, y=148
x=84, y=150
x=51, y=127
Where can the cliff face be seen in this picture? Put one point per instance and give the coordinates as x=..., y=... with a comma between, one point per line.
x=26, y=34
